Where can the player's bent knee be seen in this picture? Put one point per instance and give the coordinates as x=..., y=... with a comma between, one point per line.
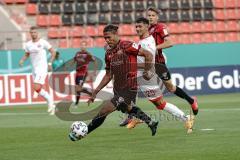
x=162, y=105
x=170, y=87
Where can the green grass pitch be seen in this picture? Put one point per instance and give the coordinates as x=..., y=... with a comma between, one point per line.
x=29, y=133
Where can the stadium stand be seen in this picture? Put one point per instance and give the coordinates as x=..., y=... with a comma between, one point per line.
x=189, y=21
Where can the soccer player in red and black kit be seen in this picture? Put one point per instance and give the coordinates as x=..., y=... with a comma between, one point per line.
x=121, y=66
x=161, y=36
x=82, y=60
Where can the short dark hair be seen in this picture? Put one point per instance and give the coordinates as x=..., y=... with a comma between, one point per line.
x=153, y=9
x=142, y=20
x=33, y=28
x=110, y=28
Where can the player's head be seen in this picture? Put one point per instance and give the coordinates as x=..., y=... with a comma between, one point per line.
x=83, y=45
x=110, y=33
x=33, y=33
x=152, y=14
x=142, y=25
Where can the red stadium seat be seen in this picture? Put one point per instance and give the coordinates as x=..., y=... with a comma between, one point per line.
x=42, y=20
x=220, y=37
x=64, y=32
x=208, y=38
x=100, y=30
x=196, y=38
x=173, y=28
x=130, y=38
x=232, y=26
x=31, y=9
x=9, y=1
x=184, y=39
x=207, y=26
x=174, y=38
x=53, y=32
x=124, y=38
x=231, y=14
x=99, y=42
x=219, y=14
x=135, y=38
x=220, y=26
x=196, y=27
x=21, y=1
x=63, y=43
x=231, y=37
x=184, y=27
x=230, y=3
x=238, y=4
x=218, y=3
x=55, y=20
x=77, y=31
x=91, y=30
x=127, y=29
x=75, y=43
x=90, y=41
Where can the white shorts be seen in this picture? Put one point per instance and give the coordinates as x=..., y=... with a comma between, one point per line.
x=39, y=78
x=152, y=89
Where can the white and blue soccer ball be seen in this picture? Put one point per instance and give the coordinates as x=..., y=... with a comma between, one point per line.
x=78, y=130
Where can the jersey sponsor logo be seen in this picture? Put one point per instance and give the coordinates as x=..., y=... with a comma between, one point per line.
x=165, y=31
x=151, y=30
x=135, y=45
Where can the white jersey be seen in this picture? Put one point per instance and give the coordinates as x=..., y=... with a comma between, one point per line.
x=38, y=55
x=149, y=45
x=154, y=87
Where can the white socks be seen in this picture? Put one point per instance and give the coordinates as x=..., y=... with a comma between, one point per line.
x=46, y=96
x=174, y=110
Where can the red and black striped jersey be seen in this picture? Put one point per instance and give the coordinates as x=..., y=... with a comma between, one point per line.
x=82, y=58
x=159, y=32
x=121, y=61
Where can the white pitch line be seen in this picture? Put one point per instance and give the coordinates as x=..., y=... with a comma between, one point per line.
x=207, y=129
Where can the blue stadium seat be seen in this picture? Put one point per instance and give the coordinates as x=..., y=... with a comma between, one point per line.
x=79, y=19
x=116, y=7
x=67, y=8
x=43, y=8
x=104, y=6
x=55, y=8
x=67, y=20
x=80, y=7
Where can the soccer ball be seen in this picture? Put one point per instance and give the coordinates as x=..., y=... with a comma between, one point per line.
x=78, y=130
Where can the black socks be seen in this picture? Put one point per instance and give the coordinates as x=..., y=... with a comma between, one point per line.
x=96, y=122
x=180, y=93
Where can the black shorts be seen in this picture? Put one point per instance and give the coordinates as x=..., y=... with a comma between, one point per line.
x=162, y=71
x=79, y=80
x=126, y=96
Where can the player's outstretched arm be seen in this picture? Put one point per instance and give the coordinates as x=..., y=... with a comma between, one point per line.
x=166, y=44
x=23, y=59
x=105, y=80
x=95, y=66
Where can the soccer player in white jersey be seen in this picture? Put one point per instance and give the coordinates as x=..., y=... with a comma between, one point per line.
x=153, y=88
x=36, y=50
